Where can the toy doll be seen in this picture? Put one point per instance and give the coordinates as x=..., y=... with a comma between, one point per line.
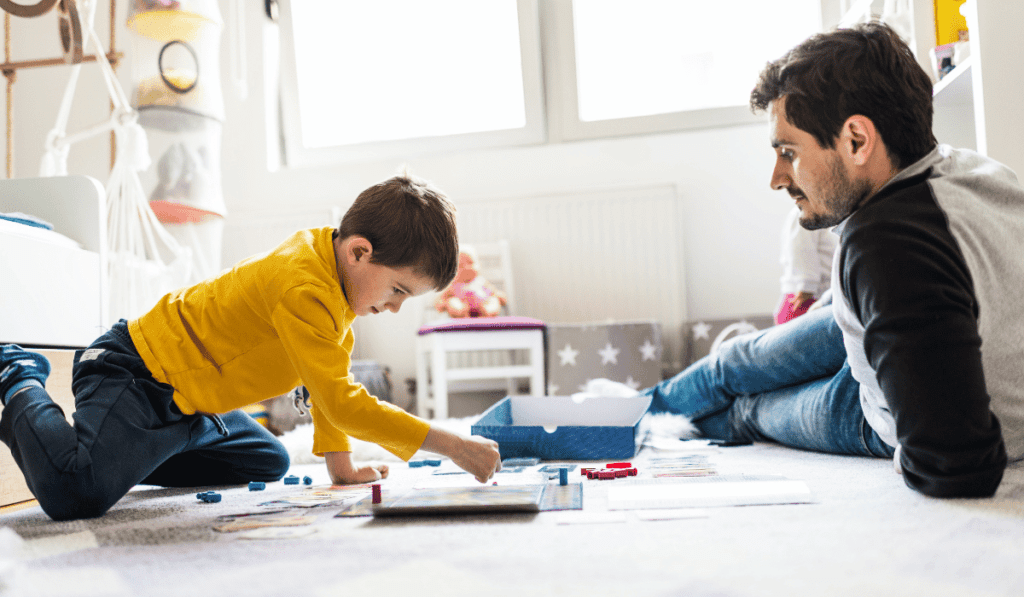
x=470, y=295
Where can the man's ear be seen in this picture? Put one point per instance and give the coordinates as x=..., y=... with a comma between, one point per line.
x=859, y=139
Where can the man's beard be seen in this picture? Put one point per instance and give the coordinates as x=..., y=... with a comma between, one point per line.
x=840, y=196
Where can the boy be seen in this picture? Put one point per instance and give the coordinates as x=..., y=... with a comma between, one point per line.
x=156, y=396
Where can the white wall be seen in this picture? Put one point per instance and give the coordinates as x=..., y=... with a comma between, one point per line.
x=731, y=218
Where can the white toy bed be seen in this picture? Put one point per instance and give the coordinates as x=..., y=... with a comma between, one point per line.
x=52, y=291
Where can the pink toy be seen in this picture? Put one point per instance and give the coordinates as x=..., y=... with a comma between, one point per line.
x=470, y=295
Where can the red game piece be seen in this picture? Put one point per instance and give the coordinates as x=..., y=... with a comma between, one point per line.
x=605, y=474
x=375, y=488
x=584, y=471
x=618, y=465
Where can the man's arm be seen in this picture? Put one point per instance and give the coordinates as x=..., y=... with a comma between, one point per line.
x=909, y=285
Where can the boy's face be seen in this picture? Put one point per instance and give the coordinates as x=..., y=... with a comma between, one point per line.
x=372, y=288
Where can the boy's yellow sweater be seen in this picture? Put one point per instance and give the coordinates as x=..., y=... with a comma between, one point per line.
x=263, y=327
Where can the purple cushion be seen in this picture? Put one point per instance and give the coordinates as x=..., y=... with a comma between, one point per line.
x=483, y=323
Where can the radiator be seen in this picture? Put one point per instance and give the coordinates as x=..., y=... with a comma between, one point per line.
x=591, y=256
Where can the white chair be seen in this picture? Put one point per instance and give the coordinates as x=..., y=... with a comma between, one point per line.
x=488, y=347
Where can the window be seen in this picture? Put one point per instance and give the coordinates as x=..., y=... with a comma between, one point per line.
x=363, y=80
x=657, y=65
x=388, y=77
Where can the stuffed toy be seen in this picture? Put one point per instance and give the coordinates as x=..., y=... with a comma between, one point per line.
x=470, y=295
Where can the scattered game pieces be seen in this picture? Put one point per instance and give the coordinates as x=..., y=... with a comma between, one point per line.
x=610, y=473
x=375, y=493
x=291, y=480
x=210, y=497
x=307, y=480
x=257, y=485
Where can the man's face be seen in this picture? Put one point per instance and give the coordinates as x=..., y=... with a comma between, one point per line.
x=816, y=177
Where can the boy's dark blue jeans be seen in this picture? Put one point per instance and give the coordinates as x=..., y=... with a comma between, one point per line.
x=127, y=430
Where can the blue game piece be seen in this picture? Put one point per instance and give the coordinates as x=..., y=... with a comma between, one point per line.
x=291, y=480
x=257, y=485
x=563, y=476
x=307, y=480
x=432, y=462
x=417, y=463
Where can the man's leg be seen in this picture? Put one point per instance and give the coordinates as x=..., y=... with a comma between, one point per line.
x=240, y=451
x=823, y=415
x=807, y=348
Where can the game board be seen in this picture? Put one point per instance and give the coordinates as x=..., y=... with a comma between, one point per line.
x=460, y=500
x=556, y=497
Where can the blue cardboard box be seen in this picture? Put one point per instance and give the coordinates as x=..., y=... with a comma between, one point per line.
x=564, y=427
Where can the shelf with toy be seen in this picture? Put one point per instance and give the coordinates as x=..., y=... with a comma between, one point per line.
x=168, y=20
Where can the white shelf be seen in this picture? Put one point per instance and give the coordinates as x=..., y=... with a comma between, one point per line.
x=955, y=88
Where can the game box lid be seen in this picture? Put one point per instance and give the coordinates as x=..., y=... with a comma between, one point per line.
x=565, y=428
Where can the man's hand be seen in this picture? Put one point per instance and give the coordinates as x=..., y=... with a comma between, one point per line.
x=344, y=472
x=476, y=455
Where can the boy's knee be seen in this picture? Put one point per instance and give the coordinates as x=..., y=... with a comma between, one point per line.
x=274, y=463
x=70, y=501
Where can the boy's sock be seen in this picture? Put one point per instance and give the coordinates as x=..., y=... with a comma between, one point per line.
x=20, y=369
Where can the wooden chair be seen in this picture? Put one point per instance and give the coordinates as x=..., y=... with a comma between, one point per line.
x=471, y=354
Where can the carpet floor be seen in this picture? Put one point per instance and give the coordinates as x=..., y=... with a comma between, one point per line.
x=863, y=533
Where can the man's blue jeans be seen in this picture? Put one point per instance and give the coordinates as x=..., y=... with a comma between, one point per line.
x=789, y=384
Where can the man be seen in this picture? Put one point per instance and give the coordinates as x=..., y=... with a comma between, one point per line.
x=921, y=355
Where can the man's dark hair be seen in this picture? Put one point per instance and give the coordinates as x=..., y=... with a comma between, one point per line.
x=866, y=70
x=410, y=223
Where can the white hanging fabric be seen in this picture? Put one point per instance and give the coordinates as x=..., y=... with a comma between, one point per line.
x=144, y=261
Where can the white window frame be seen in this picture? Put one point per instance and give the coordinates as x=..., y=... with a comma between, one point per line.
x=534, y=132
x=564, y=100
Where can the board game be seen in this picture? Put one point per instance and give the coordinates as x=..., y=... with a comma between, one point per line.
x=462, y=500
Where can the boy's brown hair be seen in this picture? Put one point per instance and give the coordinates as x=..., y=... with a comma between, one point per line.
x=867, y=70
x=410, y=223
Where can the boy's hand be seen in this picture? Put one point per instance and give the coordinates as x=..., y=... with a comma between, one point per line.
x=476, y=455
x=344, y=472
